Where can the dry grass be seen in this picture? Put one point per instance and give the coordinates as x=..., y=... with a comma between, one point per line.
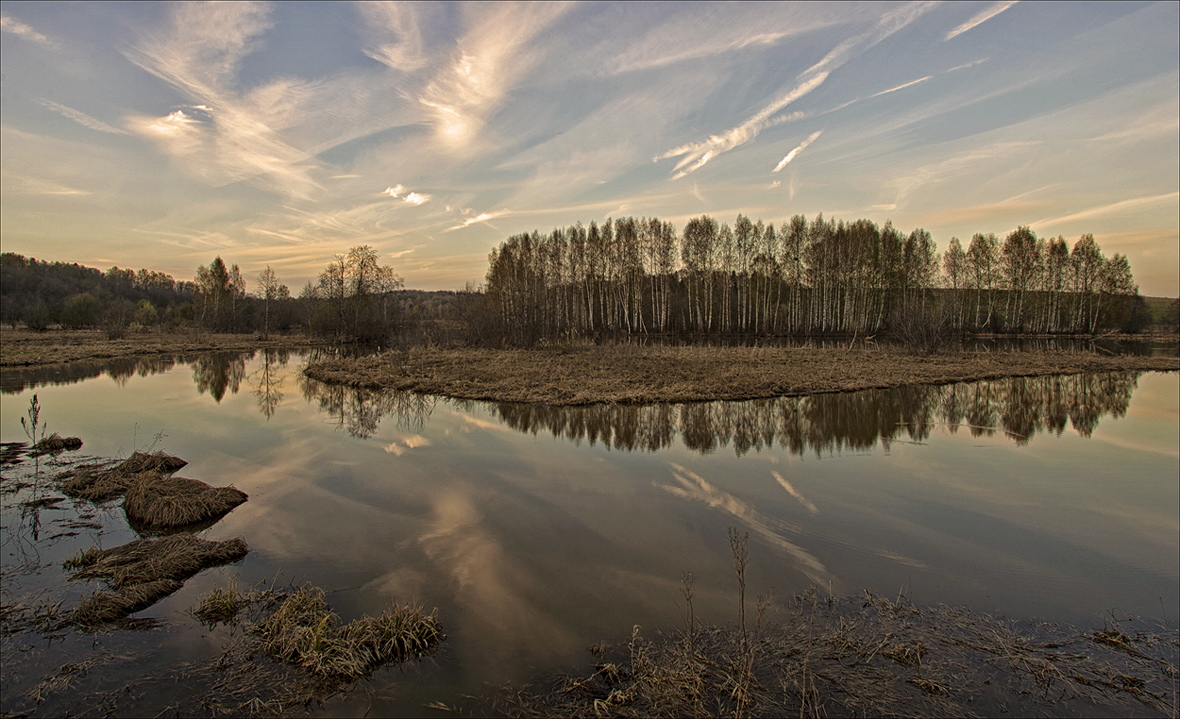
x=101, y=482
x=23, y=348
x=633, y=374
x=315, y=656
x=55, y=443
x=144, y=571
x=156, y=502
x=866, y=656
x=179, y=557
x=305, y=632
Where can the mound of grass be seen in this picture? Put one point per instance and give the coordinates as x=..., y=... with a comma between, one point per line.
x=305, y=632
x=156, y=502
x=143, y=572
x=178, y=557
x=55, y=443
x=102, y=482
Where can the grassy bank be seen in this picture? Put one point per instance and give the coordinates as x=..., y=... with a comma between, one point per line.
x=25, y=348
x=632, y=374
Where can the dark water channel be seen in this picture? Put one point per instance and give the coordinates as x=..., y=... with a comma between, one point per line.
x=537, y=531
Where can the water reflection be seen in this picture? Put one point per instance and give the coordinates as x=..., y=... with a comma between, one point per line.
x=18, y=379
x=218, y=372
x=1020, y=407
x=268, y=390
x=359, y=411
x=826, y=423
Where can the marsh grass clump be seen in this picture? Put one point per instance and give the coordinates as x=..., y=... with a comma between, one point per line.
x=101, y=482
x=178, y=557
x=156, y=502
x=142, y=572
x=305, y=632
x=106, y=607
x=55, y=443
x=219, y=606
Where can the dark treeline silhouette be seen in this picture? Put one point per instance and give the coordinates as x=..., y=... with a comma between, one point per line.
x=640, y=276
x=1020, y=407
x=40, y=293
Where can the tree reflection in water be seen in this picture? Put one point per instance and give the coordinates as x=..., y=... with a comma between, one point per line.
x=822, y=423
x=217, y=372
x=826, y=423
x=268, y=390
x=17, y=379
x=359, y=411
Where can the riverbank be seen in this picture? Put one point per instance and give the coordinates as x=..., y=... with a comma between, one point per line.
x=631, y=374
x=25, y=348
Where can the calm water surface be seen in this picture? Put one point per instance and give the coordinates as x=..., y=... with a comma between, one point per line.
x=538, y=531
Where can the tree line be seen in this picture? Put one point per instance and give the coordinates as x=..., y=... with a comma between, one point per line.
x=641, y=276
x=355, y=298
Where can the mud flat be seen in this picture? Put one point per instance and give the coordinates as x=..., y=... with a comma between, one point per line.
x=635, y=375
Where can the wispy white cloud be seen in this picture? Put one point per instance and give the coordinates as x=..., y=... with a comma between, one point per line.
x=1114, y=208
x=237, y=139
x=490, y=59
x=81, y=118
x=980, y=18
x=25, y=185
x=24, y=31
x=903, y=86
x=395, y=38
x=481, y=217
x=795, y=153
x=695, y=155
x=399, y=192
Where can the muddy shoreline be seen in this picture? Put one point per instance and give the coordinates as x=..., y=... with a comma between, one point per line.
x=625, y=374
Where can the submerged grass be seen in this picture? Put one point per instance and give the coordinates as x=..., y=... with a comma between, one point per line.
x=580, y=374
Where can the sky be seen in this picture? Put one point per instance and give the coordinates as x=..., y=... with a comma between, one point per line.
x=164, y=135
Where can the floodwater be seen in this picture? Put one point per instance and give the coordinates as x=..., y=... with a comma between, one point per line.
x=538, y=531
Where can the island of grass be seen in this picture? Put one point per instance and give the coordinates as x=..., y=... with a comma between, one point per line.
x=634, y=374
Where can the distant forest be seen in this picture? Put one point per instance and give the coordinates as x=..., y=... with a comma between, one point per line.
x=627, y=277
x=641, y=276
x=40, y=294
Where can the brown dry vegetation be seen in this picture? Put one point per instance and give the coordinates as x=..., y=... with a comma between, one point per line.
x=100, y=481
x=144, y=571
x=634, y=374
x=159, y=502
x=23, y=348
x=865, y=656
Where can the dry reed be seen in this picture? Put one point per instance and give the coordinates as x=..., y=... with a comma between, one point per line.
x=56, y=443
x=305, y=632
x=868, y=656
x=143, y=572
x=101, y=482
x=156, y=502
x=178, y=557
